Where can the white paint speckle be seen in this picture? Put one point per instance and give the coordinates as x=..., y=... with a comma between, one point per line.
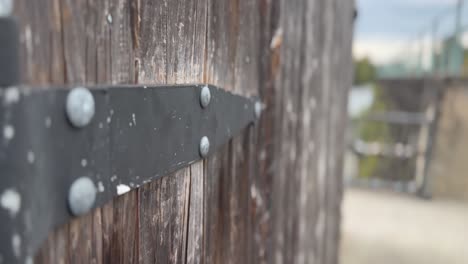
x=109, y=18
x=100, y=187
x=277, y=39
x=101, y=125
x=8, y=132
x=113, y=178
x=130, y=124
x=12, y=95
x=31, y=157
x=84, y=162
x=108, y=120
x=27, y=38
x=16, y=244
x=48, y=122
x=11, y=201
x=134, y=119
x=122, y=188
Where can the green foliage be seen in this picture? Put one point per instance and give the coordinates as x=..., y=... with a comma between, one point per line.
x=371, y=132
x=374, y=131
x=364, y=71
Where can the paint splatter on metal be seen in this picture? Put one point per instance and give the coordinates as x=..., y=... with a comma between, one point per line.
x=100, y=187
x=8, y=132
x=12, y=95
x=16, y=244
x=11, y=201
x=48, y=122
x=122, y=188
x=31, y=157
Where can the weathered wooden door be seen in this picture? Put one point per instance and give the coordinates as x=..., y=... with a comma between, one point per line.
x=273, y=193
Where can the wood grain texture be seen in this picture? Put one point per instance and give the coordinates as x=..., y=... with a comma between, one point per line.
x=272, y=194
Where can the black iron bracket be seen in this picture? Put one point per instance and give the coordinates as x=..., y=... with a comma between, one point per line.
x=9, y=43
x=64, y=152
x=67, y=150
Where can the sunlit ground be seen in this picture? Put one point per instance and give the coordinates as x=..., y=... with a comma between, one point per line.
x=389, y=228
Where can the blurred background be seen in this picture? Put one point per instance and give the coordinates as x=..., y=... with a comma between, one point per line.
x=406, y=167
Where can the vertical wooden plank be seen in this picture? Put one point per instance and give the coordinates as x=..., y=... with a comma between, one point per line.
x=220, y=61
x=163, y=214
x=150, y=25
x=121, y=37
x=214, y=223
x=41, y=55
x=123, y=236
x=85, y=239
x=107, y=226
x=310, y=113
x=341, y=62
x=249, y=190
x=121, y=218
x=269, y=45
x=195, y=228
x=78, y=24
x=40, y=31
x=187, y=31
x=285, y=211
x=172, y=53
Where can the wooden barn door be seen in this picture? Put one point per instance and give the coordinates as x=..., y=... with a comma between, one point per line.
x=272, y=194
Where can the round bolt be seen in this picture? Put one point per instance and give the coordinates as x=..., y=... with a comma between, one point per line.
x=81, y=196
x=258, y=109
x=204, y=147
x=80, y=106
x=205, y=96
x=6, y=8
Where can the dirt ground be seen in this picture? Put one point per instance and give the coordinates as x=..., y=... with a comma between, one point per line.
x=390, y=228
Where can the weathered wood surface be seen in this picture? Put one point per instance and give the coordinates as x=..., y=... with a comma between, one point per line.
x=272, y=195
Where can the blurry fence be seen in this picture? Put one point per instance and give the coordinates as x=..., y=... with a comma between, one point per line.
x=392, y=140
x=391, y=143
x=438, y=50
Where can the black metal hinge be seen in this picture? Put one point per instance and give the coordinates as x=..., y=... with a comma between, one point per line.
x=66, y=151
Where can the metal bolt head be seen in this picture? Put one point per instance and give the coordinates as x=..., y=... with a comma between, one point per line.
x=6, y=8
x=205, y=96
x=80, y=106
x=81, y=196
x=258, y=109
x=204, y=147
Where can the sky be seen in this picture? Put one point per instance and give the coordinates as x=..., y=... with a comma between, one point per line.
x=385, y=27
